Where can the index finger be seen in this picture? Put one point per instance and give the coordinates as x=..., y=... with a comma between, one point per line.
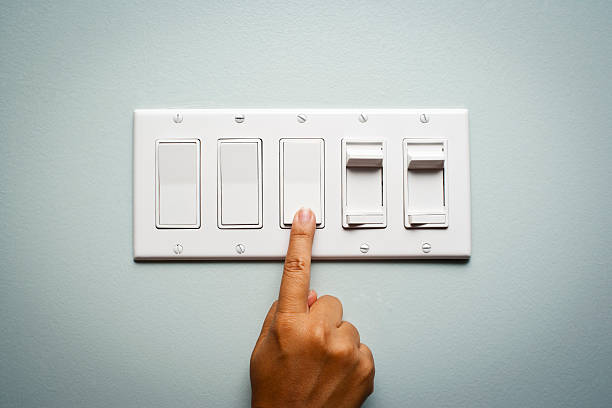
x=293, y=296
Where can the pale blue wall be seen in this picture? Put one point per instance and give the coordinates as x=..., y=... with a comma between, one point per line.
x=527, y=322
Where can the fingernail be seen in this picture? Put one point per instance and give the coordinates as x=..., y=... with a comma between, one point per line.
x=304, y=215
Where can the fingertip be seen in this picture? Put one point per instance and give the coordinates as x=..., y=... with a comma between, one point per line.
x=304, y=217
x=312, y=297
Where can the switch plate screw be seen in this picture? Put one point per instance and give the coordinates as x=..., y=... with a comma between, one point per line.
x=178, y=249
x=424, y=118
x=363, y=118
x=301, y=118
x=239, y=118
x=426, y=247
x=240, y=248
x=364, y=248
x=178, y=118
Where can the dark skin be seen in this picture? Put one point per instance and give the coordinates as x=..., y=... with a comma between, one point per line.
x=306, y=355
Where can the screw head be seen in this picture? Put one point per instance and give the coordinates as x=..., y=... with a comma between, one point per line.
x=426, y=247
x=177, y=118
x=239, y=118
x=363, y=118
x=424, y=118
x=301, y=118
x=240, y=248
x=364, y=248
x=178, y=249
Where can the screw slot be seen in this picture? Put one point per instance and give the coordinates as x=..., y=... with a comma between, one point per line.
x=363, y=118
x=424, y=118
x=426, y=247
x=364, y=248
x=301, y=118
x=178, y=118
x=239, y=118
x=178, y=249
x=240, y=248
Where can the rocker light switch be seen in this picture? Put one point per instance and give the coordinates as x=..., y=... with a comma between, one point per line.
x=302, y=179
x=239, y=191
x=177, y=183
x=363, y=184
x=425, y=182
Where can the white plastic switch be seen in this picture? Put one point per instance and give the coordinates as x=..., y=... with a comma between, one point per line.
x=425, y=190
x=364, y=184
x=416, y=219
x=239, y=187
x=302, y=179
x=177, y=183
x=428, y=159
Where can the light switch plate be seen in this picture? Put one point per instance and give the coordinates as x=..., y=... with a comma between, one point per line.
x=448, y=237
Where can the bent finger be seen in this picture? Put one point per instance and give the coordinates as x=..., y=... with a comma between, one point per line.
x=349, y=331
x=328, y=308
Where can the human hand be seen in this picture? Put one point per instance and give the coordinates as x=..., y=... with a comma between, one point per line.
x=306, y=355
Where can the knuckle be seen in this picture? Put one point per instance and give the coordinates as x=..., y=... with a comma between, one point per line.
x=300, y=234
x=318, y=335
x=342, y=351
x=350, y=332
x=351, y=327
x=295, y=265
x=366, y=368
x=366, y=351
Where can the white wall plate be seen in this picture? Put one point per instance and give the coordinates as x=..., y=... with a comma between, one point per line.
x=223, y=183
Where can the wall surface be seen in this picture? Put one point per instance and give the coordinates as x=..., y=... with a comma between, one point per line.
x=526, y=322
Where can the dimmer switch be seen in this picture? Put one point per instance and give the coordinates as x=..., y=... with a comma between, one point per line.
x=425, y=183
x=239, y=187
x=363, y=184
x=177, y=183
x=302, y=179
